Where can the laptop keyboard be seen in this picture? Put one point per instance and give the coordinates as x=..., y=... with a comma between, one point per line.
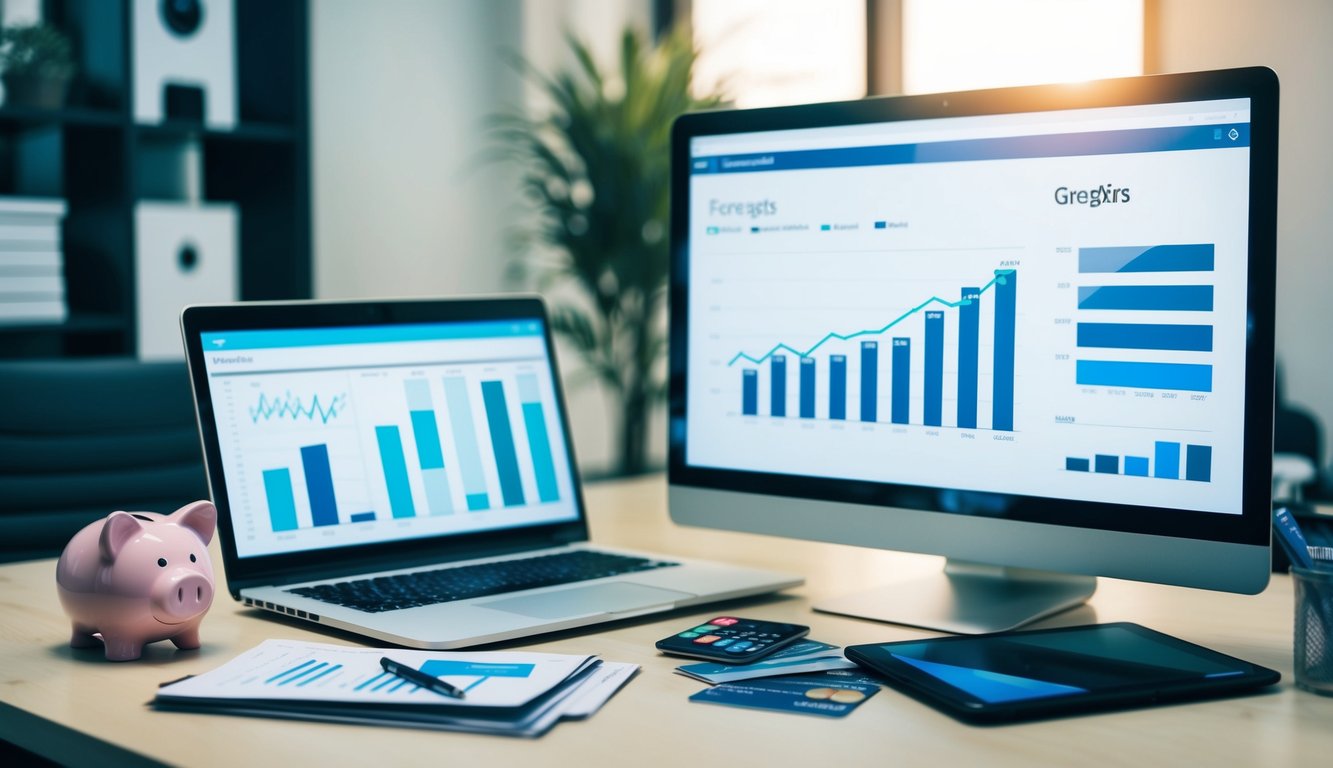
x=410, y=590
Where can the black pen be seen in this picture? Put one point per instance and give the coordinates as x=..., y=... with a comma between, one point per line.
x=420, y=678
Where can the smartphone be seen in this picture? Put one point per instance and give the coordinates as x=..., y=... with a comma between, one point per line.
x=732, y=640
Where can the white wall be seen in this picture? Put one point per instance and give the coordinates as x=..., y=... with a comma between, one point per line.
x=403, y=202
x=1295, y=39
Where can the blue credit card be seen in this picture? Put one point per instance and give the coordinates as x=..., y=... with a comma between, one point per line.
x=833, y=693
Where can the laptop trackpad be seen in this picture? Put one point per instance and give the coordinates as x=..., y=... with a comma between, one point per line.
x=581, y=601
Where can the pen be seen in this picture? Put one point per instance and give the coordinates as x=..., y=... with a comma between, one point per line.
x=1288, y=534
x=420, y=678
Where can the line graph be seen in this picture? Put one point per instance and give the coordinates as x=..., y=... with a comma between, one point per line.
x=294, y=407
x=1000, y=277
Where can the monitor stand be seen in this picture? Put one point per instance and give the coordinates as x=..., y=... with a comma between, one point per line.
x=969, y=598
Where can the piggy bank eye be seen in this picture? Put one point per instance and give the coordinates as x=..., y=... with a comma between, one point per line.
x=192, y=559
x=162, y=562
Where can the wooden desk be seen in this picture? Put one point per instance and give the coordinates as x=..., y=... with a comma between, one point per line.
x=76, y=708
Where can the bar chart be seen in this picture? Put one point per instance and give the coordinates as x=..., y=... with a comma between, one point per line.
x=1121, y=319
x=1163, y=463
x=822, y=389
x=453, y=446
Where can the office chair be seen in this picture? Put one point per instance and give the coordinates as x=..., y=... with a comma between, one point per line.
x=82, y=438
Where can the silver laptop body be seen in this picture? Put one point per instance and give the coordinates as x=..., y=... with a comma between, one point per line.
x=356, y=441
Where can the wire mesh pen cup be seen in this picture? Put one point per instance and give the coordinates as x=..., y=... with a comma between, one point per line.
x=1313, y=652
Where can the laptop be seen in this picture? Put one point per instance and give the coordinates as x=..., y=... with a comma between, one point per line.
x=403, y=470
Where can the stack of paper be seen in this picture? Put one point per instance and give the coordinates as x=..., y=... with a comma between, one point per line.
x=509, y=693
x=32, y=279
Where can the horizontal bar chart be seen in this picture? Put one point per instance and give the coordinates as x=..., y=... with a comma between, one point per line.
x=1182, y=338
x=1164, y=464
x=1156, y=258
x=1166, y=298
x=1189, y=377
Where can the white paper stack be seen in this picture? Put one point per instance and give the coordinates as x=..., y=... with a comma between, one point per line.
x=504, y=693
x=32, y=268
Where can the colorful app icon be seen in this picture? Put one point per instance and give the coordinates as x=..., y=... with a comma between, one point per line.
x=707, y=639
x=688, y=635
x=724, y=621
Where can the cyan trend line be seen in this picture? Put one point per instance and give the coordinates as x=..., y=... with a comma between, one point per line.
x=999, y=278
x=291, y=406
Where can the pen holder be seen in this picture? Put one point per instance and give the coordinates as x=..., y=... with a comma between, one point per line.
x=1313, y=652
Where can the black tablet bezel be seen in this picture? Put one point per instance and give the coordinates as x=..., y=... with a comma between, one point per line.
x=332, y=562
x=962, y=705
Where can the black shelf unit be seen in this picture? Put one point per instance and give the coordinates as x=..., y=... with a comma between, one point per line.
x=96, y=153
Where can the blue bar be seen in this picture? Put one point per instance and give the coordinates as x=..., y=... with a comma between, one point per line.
x=969, y=333
x=427, y=435
x=362, y=517
x=1136, y=466
x=319, y=485
x=902, y=378
x=307, y=671
x=1121, y=142
x=370, y=680
x=1076, y=465
x=1107, y=373
x=430, y=455
x=395, y=471
x=368, y=334
x=750, y=392
x=1199, y=463
x=502, y=442
x=1002, y=388
x=286, y=672
x=807, y=387
x=1156, y=258
x=778, y=385
x=869, y=379
x=1169, y=298
x=1182, y=338
x=1166, y=460
x=1106, y=465
x=465, y=441
x=313, y=678
x=837, y=387
x=539, y=441
x=281, y=502
x=934, y=389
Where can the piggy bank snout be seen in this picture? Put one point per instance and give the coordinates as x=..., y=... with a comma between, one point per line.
x=181, y=595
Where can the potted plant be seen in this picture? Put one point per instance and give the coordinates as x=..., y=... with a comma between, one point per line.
x=597, y=167
x=36, y=65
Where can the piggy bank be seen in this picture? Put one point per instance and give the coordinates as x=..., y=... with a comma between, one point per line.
x=139, y=577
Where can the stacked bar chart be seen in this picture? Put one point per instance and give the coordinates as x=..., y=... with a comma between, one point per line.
x=822, y=381
x=1164, y=462
x=1120, y=318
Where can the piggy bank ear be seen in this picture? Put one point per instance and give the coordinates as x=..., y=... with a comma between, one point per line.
x=118, y=530
x=200, y=517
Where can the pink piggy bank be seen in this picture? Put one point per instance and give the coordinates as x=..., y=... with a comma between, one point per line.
x=138, y=578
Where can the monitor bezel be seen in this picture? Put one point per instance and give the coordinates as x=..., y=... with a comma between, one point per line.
x=331, y=562
x=1250, y=527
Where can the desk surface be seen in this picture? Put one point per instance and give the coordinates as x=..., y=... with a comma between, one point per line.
x=76, y=708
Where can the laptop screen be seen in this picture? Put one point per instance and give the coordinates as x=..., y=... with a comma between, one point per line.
x=343, y=436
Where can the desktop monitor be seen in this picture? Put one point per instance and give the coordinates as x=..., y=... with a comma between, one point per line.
x=1029, y=329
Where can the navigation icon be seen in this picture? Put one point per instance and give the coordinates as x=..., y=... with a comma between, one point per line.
x=1233, y=134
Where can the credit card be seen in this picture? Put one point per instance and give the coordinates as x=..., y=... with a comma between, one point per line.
x=826, y=694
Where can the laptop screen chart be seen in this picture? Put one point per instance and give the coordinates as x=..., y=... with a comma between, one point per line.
x=333, y=437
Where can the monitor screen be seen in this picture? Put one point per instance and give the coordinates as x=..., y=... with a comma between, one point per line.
x=353, y=435
x=1050, y=305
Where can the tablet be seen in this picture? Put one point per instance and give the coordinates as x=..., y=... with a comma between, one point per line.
x=1026, y=675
